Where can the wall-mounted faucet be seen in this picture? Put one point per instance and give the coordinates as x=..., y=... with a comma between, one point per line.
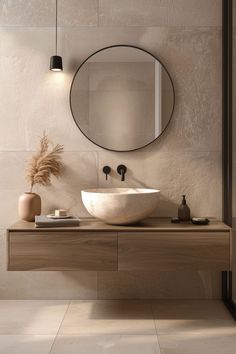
x=122, y=169
x=106, y=170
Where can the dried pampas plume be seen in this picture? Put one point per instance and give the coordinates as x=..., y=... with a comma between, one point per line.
x=44, y=163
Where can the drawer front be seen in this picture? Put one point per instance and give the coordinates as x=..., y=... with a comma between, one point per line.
x=174, y=251
x=62, y=251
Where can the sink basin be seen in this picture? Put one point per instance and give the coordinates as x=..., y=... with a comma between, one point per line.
x=120, y=206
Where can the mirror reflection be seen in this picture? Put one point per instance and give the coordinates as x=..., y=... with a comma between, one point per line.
x=122, y=98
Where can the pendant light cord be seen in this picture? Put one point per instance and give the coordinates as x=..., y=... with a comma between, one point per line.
x=56, y=60
x=56, y=27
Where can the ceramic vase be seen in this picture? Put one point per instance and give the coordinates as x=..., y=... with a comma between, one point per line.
x=29, y=206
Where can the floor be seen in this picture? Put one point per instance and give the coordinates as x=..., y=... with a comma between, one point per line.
x=114, y=327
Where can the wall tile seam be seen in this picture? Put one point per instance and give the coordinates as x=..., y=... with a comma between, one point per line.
x=160, y=26
x=98, y=13
x=52, y=27
x=183, y=27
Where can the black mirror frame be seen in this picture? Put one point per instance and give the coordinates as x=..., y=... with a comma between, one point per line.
x=129, y=46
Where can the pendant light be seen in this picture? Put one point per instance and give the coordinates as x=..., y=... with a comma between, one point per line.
x=56, y=60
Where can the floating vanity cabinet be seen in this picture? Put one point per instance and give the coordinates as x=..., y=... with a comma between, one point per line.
x=154, y=244
x=62, y=250
x=173, y=251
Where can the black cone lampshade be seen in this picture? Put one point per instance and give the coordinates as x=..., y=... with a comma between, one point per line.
x=56, y=60
x=56, y=63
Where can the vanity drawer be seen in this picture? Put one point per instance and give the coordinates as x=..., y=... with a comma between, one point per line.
x=52, y=250
x=174, y=251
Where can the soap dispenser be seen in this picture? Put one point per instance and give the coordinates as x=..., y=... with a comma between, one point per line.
x=184, y=211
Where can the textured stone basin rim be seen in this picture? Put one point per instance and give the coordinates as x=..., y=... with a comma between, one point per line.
x=120, y=206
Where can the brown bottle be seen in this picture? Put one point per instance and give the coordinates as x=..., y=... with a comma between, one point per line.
x=184, y=211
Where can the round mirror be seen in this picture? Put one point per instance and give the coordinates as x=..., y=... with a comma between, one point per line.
x=122, y=98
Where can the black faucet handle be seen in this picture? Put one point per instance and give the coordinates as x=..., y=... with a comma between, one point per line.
x=106, y=170
x=122, y=169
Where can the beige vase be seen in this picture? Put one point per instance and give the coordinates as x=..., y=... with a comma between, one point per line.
x=29, y=205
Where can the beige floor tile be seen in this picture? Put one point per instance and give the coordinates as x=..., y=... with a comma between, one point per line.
x=25, y=344
x=197, y=344
x=31, y=316
x=108, y=317
x=188, y=316
x=106, y=344
x=196, y=326
x=190, y=309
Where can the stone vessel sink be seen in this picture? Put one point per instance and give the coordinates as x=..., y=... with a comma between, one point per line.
x=120, y=206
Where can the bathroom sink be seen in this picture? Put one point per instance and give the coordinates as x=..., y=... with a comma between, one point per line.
x=120, y=206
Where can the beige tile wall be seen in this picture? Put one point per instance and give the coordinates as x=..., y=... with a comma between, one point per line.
x=186, y=36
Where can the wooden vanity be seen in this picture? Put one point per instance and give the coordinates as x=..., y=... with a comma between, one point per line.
x=153, y=244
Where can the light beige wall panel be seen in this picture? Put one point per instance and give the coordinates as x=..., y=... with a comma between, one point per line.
x=41, y=97
x=48, y=285
x=160, y=13
x=78, y=13
x=133, y=13
x=198, y=175
x=9, y=206
x=158, y=285
x=3, y=245
x=41, y=13
x=27, y=12
x=195, y=13
x=196, y=123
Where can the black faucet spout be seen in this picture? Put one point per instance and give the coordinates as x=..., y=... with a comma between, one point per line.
x=122, y=169
x=122, y=175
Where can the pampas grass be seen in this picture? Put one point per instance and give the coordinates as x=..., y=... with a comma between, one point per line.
x=45, y=163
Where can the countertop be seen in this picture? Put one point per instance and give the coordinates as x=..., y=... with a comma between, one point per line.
x=150, y=224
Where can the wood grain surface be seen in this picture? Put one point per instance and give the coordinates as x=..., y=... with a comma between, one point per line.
x=62, y=251
x=174, y=251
